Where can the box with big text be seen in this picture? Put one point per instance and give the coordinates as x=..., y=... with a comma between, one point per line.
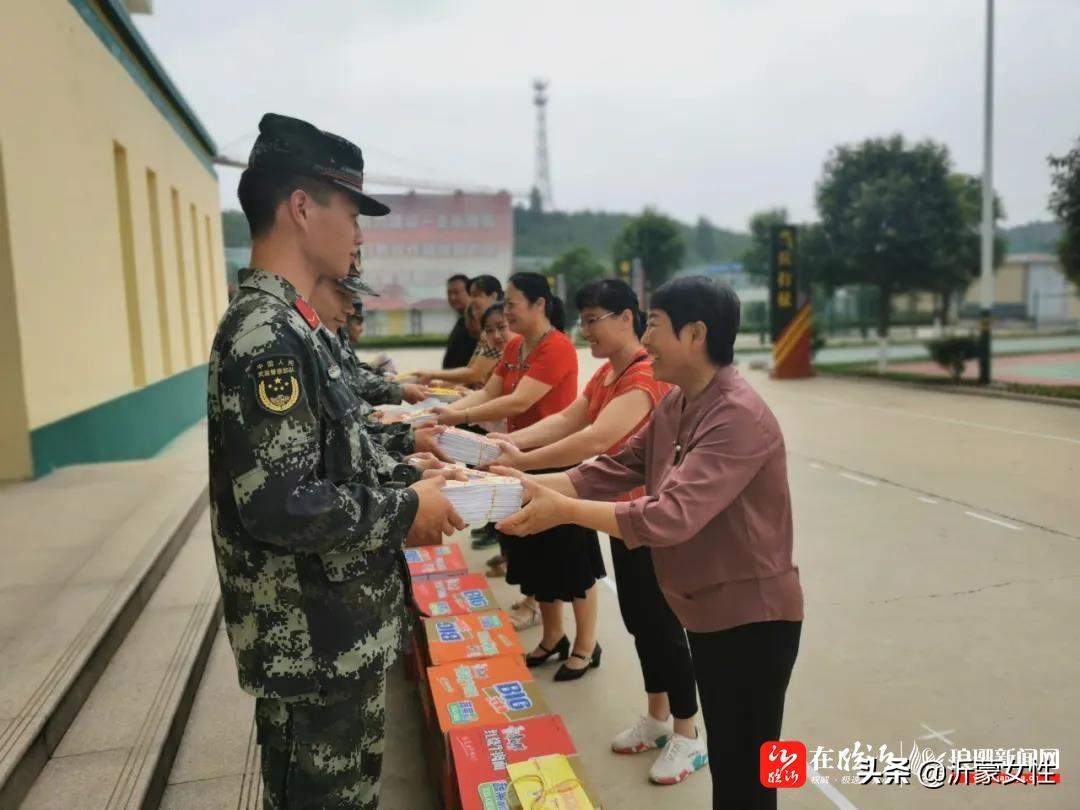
x=495, y=690
x=453, y=596
x=433, y=562
x=480, y=756
x=471, y=636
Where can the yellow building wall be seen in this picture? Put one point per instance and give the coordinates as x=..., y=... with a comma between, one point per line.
x=1008, y=286
x=73, y=103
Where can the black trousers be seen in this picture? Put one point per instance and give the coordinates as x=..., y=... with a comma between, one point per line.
x=660, y=640
x=742, y=676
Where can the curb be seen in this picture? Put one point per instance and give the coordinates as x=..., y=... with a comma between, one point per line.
x=954, y=389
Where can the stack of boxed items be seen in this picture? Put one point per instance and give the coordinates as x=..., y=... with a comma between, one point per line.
x=484, y=498
x=468, y=448
x=445, y=394
x=493, y=743
x=421, y=418
x=525, y=764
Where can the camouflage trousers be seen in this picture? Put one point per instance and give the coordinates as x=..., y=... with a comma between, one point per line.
x=326, y=754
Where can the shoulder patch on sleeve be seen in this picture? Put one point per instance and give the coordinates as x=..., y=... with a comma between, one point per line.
x=277, y=383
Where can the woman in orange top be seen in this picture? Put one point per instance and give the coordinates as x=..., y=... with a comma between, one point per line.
x=616, y=403
x=537, y=377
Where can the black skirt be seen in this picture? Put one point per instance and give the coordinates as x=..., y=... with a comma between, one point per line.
x=559, y=564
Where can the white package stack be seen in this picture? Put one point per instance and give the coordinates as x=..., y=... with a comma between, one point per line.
x=469, y=448
x=420, y=418
x=486, y=499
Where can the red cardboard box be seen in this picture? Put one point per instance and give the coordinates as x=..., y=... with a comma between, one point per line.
x=433, y=562
x=480, y=755
x=488, y=692
x=453, y=596
x=474, y=635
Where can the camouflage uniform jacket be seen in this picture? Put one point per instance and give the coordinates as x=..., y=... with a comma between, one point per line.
x=373, y=386
x=398, y=439
x=306, y=537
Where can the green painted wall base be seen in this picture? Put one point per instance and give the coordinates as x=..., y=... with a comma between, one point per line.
x=134, y=426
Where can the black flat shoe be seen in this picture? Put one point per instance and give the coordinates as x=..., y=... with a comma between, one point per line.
x=562, y=649
x=565, y=673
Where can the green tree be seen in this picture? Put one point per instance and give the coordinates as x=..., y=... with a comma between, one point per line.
x=234, y=228
x=655, y=239
x=890, y=219
x=577, y=266
x=1065, y=203
x=755, y=259
x=964, y=265
x=706, y=245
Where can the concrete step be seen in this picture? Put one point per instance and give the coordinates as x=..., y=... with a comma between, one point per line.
x=120, y=747
x=53, y=656
x=217, y=766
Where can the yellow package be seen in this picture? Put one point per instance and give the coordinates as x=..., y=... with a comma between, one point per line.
x=547, y=783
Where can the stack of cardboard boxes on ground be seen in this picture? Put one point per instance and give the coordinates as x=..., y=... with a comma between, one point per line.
x=492, y=743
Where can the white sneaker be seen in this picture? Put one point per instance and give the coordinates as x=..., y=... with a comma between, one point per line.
x=646, y=733
x=682, y=756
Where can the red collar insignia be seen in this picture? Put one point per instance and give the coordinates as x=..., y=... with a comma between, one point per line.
x=305, y=310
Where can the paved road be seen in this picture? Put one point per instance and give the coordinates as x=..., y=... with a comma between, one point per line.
x=939, y=542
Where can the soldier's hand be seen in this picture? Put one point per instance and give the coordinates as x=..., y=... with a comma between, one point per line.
x=414, y=393
x=427, y=441
x=435, y=515
x=424, y=461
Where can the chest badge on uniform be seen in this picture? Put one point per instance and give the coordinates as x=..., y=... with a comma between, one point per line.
x=277, y=384
x=335, y=372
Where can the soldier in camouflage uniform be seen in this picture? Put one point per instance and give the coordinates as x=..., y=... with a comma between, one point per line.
x=373, y=385
x=334, y=303
x=307, y=533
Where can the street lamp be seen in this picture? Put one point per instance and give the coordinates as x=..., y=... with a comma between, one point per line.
x=987, y=269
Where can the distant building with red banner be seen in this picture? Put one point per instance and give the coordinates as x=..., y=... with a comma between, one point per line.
x=426, y=238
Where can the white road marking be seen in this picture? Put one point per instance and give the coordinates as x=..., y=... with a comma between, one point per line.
x=831, y=793
x=834, y=795
x=859, y=478
x=946, y=419
x=924, y=499
x=817, y=466
x=994, y=520
x=937, y=735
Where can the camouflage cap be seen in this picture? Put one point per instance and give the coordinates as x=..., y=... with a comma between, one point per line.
x=289, y=144
x=354, y=282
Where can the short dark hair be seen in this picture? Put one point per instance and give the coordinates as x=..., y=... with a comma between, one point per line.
x=489, y=285
x=697, y=298
x=614, y=295
x=458, y=277
x=261, y=192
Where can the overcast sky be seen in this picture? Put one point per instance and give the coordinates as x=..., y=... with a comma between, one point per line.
x=710, y=107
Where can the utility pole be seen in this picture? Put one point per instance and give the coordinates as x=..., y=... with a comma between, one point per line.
x=987, y=269
x=542, y=174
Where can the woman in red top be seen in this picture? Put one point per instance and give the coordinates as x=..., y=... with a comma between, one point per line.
x=537, y=377
x=616, y=403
